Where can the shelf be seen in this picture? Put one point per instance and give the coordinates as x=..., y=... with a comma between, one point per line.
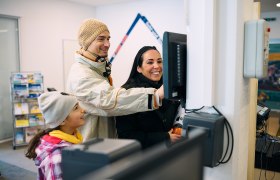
x=21, y=144
x=25, y=100
x=38, y=125
x=26, y=87
x=35, y=113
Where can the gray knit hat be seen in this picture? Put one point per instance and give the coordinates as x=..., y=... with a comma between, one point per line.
x=55, y=107
x=89, y=30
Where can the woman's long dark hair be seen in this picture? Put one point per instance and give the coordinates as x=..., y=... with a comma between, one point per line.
x=34, y=142
x=138, y=61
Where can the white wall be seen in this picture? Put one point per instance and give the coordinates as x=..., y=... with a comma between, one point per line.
x=43, y=26
x=220, y=74
x=274, y=25
x=201, y=33
x=164, y=15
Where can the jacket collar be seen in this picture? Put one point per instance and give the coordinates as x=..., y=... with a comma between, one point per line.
x=52, y=139
x=95, y=66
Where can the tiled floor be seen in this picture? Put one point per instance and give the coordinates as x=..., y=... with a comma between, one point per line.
x=16, y=157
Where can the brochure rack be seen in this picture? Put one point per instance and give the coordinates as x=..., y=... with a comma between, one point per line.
x=26, y=87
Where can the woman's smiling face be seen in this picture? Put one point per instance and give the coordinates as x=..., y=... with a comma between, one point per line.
x=151, y=66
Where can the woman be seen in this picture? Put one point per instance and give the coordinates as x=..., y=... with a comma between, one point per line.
x=150, y=127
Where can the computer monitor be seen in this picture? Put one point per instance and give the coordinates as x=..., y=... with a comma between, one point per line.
x=184, y=160
x=174, y=53
x=80, y=159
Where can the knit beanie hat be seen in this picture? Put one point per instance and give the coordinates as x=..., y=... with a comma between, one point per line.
x=89, y=30
x=56, y=106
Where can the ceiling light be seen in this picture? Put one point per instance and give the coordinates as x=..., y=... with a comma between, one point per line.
x=278, y=4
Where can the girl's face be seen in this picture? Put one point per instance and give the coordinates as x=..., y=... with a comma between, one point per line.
x=152, y=65
x=76, y=117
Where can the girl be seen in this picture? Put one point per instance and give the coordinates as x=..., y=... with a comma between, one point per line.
x=63, y=115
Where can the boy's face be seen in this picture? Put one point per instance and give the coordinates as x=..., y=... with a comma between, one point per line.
x=76, y=118
x=100, y=45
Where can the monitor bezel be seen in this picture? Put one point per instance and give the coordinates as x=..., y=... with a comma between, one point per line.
x=174, y=50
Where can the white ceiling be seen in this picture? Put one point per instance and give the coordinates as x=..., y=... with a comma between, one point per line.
x=266, y=5
x=100, y=2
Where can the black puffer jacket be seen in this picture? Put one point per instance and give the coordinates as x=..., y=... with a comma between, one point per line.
x=149, y=127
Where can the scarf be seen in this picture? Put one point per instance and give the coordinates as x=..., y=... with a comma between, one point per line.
x=97, y=58
x=74, y=139
x=139, y=80
x=150, y=83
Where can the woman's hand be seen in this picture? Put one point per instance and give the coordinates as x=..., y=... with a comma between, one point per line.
x=173, y=137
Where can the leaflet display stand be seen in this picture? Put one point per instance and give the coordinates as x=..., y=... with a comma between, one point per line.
x=26, y=87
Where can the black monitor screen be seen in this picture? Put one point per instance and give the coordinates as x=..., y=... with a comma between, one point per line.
x=174, y=66
x=184, y=160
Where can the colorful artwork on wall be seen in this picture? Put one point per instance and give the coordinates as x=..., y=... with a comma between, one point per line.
x=269, y=87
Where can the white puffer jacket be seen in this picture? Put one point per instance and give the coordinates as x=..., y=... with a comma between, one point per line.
x=101, y=100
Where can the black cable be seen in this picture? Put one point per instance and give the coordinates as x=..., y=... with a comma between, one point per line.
x=223, y=157
x=193, y=110
x=222, y=160
x=227, y=145
x=226, y=151
x=228, y=127
x=232, y=140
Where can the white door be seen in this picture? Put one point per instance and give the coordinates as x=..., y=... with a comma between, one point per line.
x=9, y=62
